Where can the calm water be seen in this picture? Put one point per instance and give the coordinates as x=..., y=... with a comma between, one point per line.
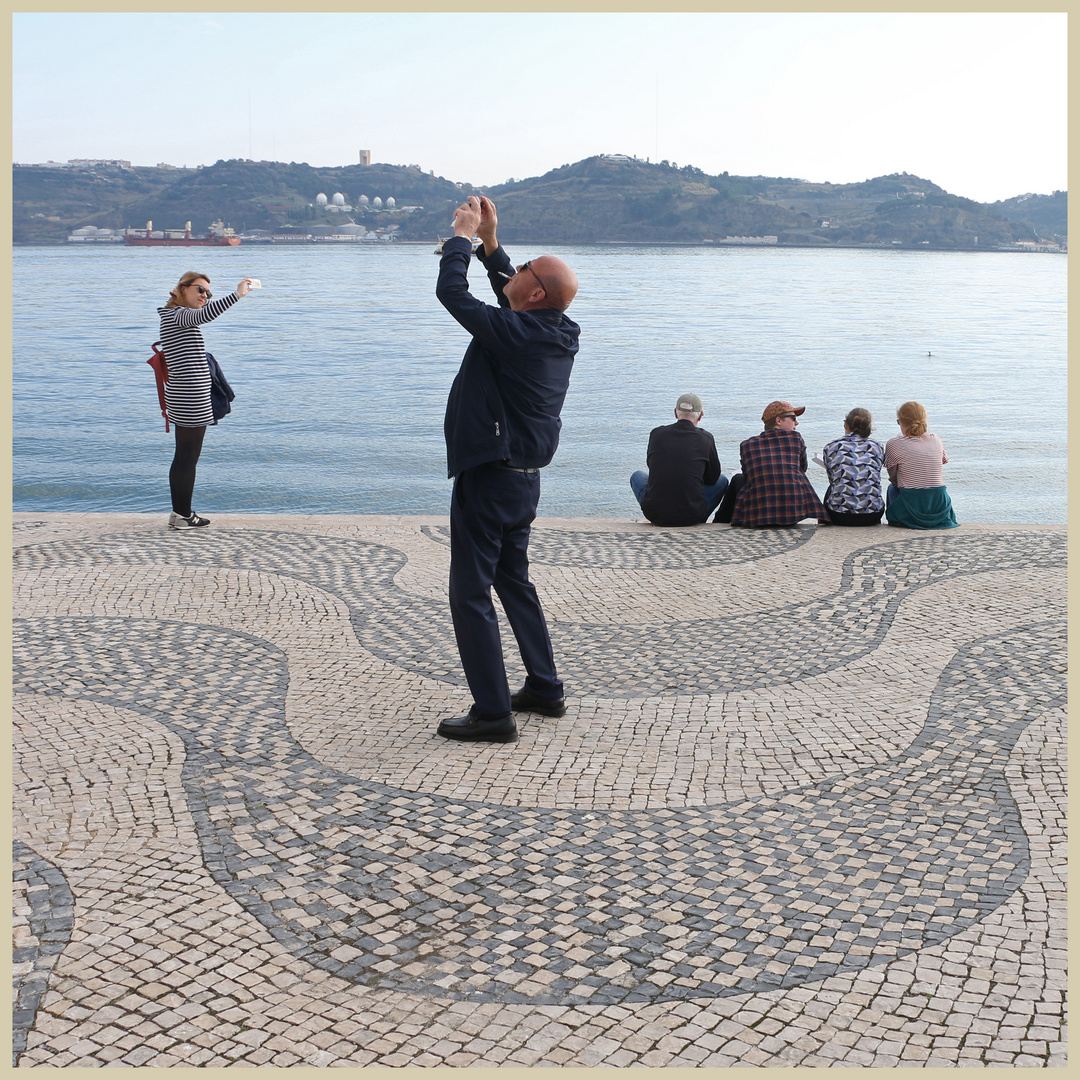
x=342, y=363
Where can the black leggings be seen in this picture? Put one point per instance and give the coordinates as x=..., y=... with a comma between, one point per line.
x=182, y=474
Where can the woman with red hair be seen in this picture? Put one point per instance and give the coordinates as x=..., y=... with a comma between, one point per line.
x=917, y=498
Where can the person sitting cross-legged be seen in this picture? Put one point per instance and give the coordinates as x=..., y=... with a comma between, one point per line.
x=683, y=484
x=854, y=465
x=917, y=497
x=772, y=488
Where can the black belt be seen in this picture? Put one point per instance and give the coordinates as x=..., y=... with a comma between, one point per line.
x=514, y=468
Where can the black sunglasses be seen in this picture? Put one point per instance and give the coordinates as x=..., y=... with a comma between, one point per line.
x=203, y=292
x=525, y=266
x=528, y=266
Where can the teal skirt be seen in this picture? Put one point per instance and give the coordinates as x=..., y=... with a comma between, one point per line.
x=922, y=508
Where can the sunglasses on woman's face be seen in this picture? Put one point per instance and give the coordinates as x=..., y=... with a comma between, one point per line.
x=202, y=292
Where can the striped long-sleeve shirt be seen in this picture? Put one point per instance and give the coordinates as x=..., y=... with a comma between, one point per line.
x=914, y=461
x=187, y=393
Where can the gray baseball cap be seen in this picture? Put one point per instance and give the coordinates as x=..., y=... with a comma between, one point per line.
x=689, y=403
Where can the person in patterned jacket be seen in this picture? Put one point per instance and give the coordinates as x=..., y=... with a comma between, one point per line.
x=854, y=465
x=772, y=488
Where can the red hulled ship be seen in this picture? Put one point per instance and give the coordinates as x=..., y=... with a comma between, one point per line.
x=219, y=235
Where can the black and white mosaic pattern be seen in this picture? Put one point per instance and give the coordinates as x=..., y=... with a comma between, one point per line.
x=689, y=656
x=42, y=891
x=666, y=549
x=416, y=892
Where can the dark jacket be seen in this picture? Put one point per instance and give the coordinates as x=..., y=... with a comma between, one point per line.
x=221, y=393
x=682, y=460
x=506, y=399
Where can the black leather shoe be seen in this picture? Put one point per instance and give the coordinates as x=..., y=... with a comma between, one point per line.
x=476, y=729
x=523, y=701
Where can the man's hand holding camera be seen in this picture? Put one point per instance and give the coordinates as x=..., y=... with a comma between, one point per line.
x=488, y=222
x=467, y=217
x=476, y=217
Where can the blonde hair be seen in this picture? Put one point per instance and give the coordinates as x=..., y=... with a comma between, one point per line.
x=188, y=279
x=860, y=421
x=912, y=417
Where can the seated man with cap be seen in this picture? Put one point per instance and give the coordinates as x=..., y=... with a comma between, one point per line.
x=772, y=488
x=683, y=485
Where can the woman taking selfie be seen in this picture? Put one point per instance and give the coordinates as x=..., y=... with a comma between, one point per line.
x=187, y=392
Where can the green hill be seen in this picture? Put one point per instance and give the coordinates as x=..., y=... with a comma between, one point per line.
x=602, y=199
x=1048, y=215
x=49, y=202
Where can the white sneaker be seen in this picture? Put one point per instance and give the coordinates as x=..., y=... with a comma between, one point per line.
x=193, y=521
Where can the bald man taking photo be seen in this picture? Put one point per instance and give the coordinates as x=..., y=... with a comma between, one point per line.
x=502, y=427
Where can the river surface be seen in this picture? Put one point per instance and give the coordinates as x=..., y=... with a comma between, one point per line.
x=341, y=365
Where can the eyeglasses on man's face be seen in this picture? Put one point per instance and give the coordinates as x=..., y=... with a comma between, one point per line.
x=528, y=266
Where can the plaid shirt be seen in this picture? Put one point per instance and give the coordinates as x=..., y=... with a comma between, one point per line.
x=776, y=491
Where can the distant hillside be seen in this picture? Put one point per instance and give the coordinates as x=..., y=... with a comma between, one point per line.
x=600, y=199
x=49, y=202
x=1047, y=214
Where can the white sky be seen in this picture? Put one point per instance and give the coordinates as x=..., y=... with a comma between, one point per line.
x=975, y=102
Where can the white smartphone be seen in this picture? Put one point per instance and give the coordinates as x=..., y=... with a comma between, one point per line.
x=256, y=283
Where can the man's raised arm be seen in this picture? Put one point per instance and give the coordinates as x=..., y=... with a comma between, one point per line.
x=489, y=221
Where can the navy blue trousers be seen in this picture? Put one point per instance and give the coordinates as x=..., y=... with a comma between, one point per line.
x=491, y=511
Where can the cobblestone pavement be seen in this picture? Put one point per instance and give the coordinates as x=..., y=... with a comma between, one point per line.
x=806, y=806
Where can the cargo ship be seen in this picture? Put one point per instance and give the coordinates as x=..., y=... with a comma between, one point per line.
x=220, y=235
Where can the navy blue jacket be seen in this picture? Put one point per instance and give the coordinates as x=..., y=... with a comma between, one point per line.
x=506, y=399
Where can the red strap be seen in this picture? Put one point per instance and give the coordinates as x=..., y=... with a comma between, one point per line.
x=161, y=376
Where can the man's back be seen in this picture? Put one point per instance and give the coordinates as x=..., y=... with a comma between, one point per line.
x=506, y=399
x=681, y=459
x=776, y=491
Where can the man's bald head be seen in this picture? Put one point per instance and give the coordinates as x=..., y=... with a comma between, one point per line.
x=543, y=282
x=560, y=282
